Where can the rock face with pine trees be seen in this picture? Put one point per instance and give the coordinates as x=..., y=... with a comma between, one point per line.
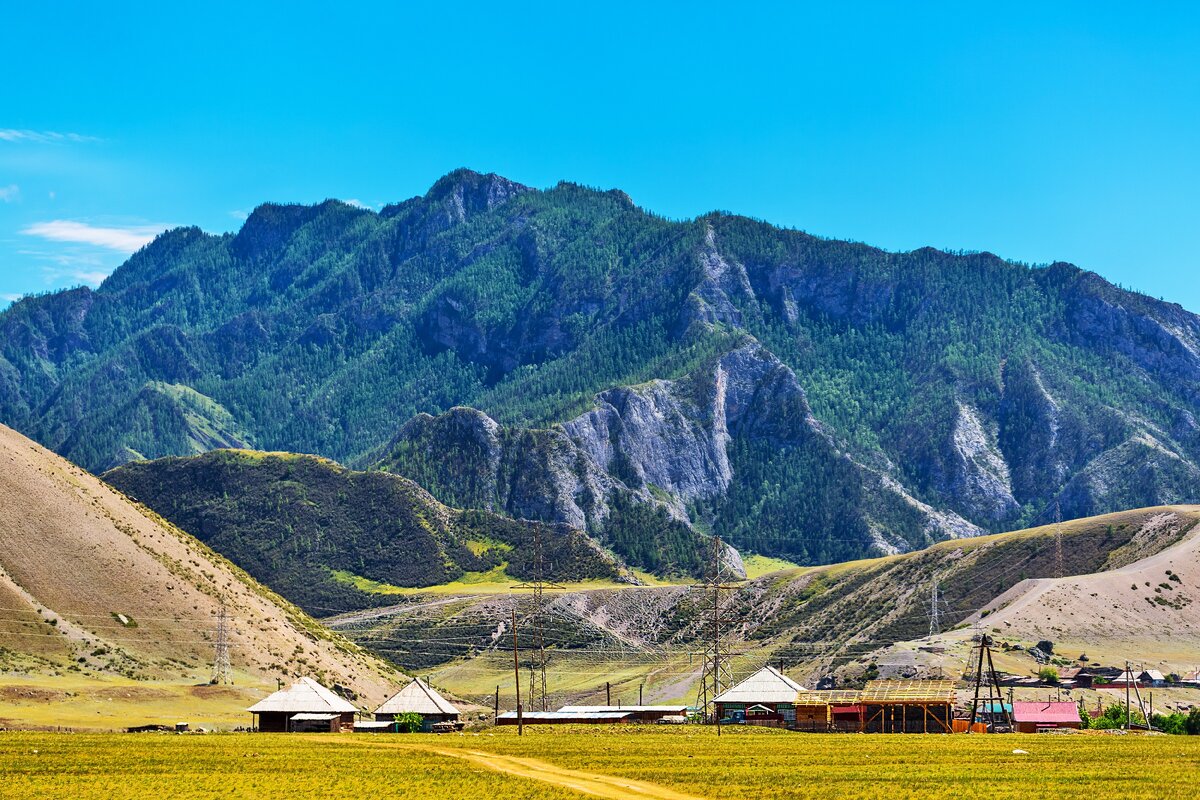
x=566, y=357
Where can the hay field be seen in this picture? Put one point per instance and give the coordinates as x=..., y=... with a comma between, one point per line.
x=606, y=762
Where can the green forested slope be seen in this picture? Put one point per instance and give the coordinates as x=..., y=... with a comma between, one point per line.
x=308, y=527
x=949, y=393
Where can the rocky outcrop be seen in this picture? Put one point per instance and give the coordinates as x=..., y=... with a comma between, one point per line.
x=976, y=475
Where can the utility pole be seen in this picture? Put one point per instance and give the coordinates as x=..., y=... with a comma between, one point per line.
x=607, y=693
x=993, y=697
x=517, y=676
x=640, y=687
x=496, y=705
x=537, y=667
x=222, y=670
x=715, y=677
x=1128, y=678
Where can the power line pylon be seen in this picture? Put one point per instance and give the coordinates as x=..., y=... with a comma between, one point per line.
x=715, y=676
x=222, y=669
x=989, y=682
x=935, y=607
x=1058, y=541
x=537, y=665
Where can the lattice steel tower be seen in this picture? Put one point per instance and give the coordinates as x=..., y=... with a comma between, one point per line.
x=222, y=669
x=715, y=677
x=537, y=666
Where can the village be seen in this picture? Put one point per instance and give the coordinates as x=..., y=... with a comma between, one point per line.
x=767, y=698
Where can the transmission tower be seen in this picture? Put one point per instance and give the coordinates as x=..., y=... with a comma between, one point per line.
x=935, y=607
x=222, y=670
x=1058, y=541
x=987, y=687
x=715, y=677
x=537, y=664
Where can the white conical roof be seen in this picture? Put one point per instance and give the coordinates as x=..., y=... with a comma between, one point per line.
x=768, y=685
x=418, y=697
x=304, y=696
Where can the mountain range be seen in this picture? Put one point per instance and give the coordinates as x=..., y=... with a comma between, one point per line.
x=566, y=357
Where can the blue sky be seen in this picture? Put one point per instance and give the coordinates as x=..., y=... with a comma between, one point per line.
x=1041, y=132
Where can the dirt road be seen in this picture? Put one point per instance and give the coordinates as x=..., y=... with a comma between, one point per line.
x=589, y=783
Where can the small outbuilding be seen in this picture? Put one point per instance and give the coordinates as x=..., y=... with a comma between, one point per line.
x=643, y=714
x=564, y=718
x=1038, y=716
x=768, y=697
x=418, y=697
x=1152, y=678
x=304, y=706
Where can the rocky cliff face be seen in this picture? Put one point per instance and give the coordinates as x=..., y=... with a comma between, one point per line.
x=643, y=380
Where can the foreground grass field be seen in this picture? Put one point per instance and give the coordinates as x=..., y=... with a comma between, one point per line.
x=545, y=763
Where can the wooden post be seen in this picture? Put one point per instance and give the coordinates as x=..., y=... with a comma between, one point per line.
x=517, y=676
x=607, y=693
x=642, y=685
x=496, y=705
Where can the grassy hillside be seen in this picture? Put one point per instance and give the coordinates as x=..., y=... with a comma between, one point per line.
x=332, y=539
x=98, y=590
x=818, y=620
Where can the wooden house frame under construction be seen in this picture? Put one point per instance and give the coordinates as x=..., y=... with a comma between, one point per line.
x=881, y=707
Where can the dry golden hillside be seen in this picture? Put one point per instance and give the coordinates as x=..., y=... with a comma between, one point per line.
x=95, y=586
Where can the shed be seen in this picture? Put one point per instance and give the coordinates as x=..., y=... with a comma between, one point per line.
x=908, y=706
x=770, y=690
x=1039, y=716
x=418, y=697
x=833, y=710
x=306, y=697
x=1126, y=679
x=634, y=713
x=564, y=718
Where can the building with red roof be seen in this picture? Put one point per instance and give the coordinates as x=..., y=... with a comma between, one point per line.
x=1039, y=716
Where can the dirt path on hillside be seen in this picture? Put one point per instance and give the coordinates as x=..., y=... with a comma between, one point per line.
x=590, y=783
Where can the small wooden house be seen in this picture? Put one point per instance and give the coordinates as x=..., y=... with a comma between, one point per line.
x=418, y=697
x=767, y=697
x=1076, y=677
x=1039, y=716
x=1152, y=678
x=302, y=707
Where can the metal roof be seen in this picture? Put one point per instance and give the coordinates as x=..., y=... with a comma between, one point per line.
x=908, y=691
x=634, y=709
x=1046, y=713
x=303, y=696
x=418, y=697
x=828, y=697
x=313, y=717
x=559, y=716
x=372, y=725
x=768, y=685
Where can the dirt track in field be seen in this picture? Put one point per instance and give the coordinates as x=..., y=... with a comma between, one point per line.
x=590, y=783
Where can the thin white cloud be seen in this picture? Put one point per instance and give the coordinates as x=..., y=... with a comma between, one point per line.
x=356, y=203
x=124, y=240
x=10, y=193
x=10, y=298
x=43, y=137
x=242, y=215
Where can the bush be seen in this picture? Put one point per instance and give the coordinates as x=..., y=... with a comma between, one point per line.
x=409, y=722
x=1048, y=675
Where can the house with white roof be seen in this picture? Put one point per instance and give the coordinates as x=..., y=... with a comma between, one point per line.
x=766, y=697
x=418, y=697
x=304, y=706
